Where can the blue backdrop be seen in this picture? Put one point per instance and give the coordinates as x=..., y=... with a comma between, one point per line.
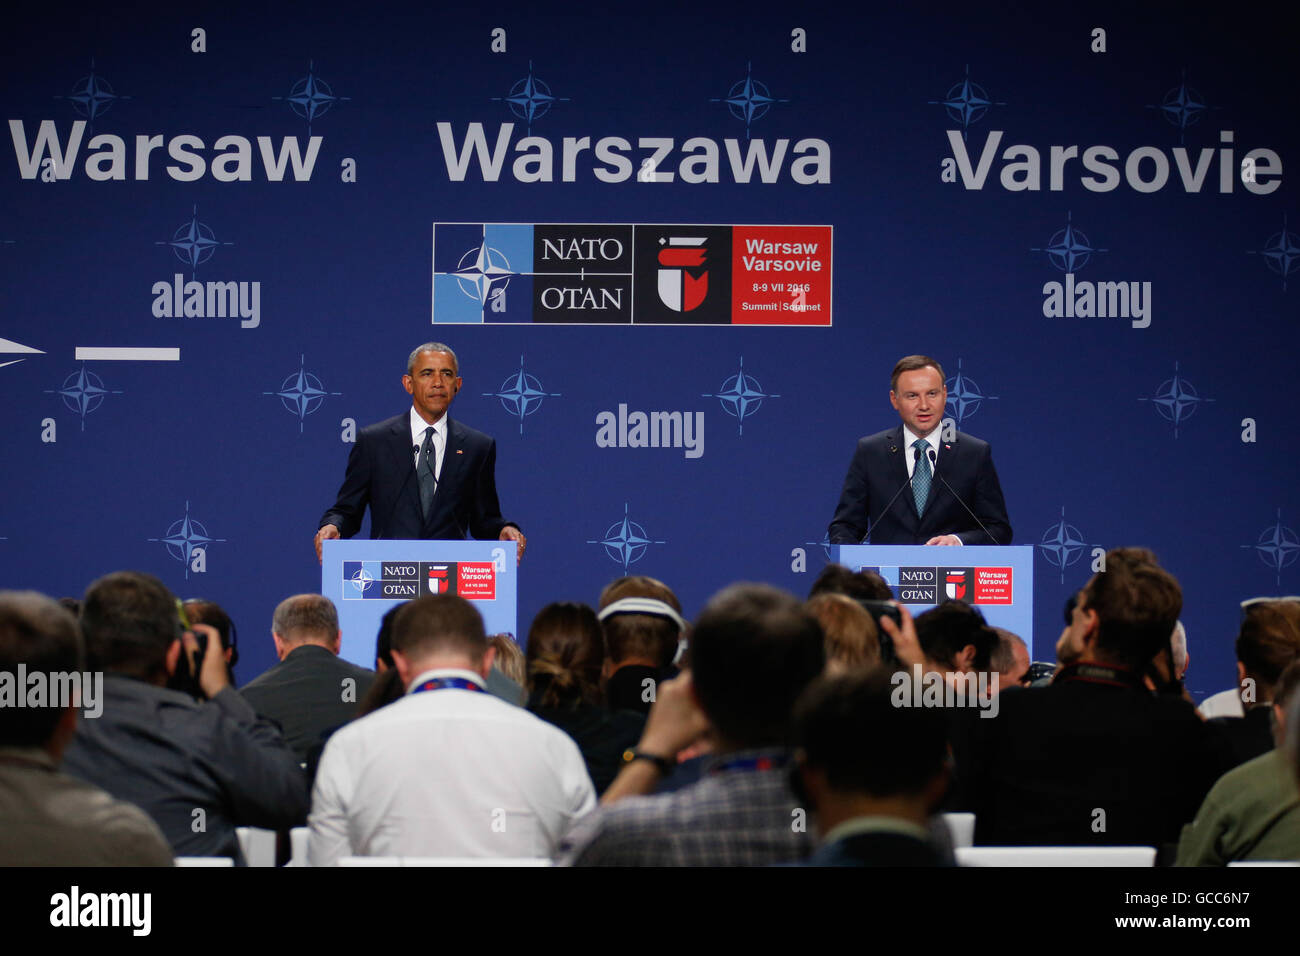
x=971, y=159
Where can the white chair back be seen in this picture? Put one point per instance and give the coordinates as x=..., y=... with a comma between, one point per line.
x=1056, y=856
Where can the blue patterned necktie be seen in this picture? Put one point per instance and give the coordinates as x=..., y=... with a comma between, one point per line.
x=424, y=472
x=921, y=475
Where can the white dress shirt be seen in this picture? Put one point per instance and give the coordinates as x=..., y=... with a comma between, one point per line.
x=447, y=773
x=418, y=426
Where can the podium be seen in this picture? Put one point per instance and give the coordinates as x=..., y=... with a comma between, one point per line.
x=365, y=578
x=997, y=580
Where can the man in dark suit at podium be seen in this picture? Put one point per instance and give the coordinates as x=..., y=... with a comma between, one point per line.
x=422, y=474
x=919, y=482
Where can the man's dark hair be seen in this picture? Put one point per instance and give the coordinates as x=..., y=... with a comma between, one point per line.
x=130, y=620
x=36, y=632
x=913, y=363
x=753, y=650
x=848, y=727
x=639, y=635
x=946, y=629
x=1003, y=656
x=384, y=639
x=1137, y=604
x=861, y=585
x=1269, y=639
x=440, y=623
x=564, y=655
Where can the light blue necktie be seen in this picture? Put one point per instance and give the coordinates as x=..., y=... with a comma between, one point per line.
x=921, y=475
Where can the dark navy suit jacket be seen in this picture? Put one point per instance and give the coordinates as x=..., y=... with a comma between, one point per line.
x=381, y=475
x=879, y=470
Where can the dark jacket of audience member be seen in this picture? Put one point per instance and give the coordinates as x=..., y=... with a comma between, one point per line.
x=1097, y=758
x=312, y=689
x=48, y=818
x=564, y=658
x=198, y=769
x=1267, y=643
x=873, y=771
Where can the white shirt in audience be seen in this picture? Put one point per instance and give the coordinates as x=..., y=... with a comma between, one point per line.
x=447, y=773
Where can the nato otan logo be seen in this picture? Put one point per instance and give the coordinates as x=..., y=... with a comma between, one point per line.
x=749, y=99
x=194, y=243
x=187, y=541
x=83, y=392
x=964, y=396
x=301, y=393
x=311, y=97
x=1176, y=400
x=741, y=396
x=1277, y=546
x=1062, y=544
x=625, y=542
x=1069, y=251
x=521, y=394
x=1281, y=253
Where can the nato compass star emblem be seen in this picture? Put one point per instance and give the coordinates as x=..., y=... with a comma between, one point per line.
x=13, y=348
x=741, y=396
x=1062, y=544
x=1069, y=249
x=626, y=541
x=530, y=99
x=1278, y=546
x=1182, y=106
x=92, y=96
x=964, y=396
x=311, y=97
x=1176, y=400
x=824, y=544
x=83, y=392
x=193, y=242
x=748, y=99
x=521, y=394
x=185, y=536
x=483, y=273
x=966, y=103
x=361, y=580
x=302, y=393
x=1281, y=253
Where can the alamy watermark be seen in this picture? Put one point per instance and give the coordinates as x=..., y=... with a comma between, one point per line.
x=53, y=689
x=949, y=689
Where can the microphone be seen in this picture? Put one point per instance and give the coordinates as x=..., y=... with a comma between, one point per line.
x=915, y=460
x=934, y=470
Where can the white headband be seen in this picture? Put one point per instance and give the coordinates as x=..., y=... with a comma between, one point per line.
x=643, y=605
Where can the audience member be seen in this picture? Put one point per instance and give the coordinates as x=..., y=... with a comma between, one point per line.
x=510, y=659
x=1253, y=811
x=955, y=639
x=564, y=660
x=200, y=611
x=1268, y=641
x=199, y=769
x=1010, y=659
x=449, y=770
x=874, y=772
x=643, y=626
x=753, y=651
x=852, y=641
x=46, y=817
x=1097, y=758
x=860, y=585
x=312, y=689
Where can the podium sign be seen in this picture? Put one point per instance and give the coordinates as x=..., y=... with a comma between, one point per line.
x=364, y=578
x=997, y=580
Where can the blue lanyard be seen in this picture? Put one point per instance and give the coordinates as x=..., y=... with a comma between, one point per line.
x=443, y=683
x=764, y=762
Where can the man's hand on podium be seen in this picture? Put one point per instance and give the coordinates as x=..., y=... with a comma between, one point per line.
x=508, y=533
x=325, y=534
x=945, y=539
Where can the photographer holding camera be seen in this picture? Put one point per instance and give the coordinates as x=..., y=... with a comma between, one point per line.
x=199, y=768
